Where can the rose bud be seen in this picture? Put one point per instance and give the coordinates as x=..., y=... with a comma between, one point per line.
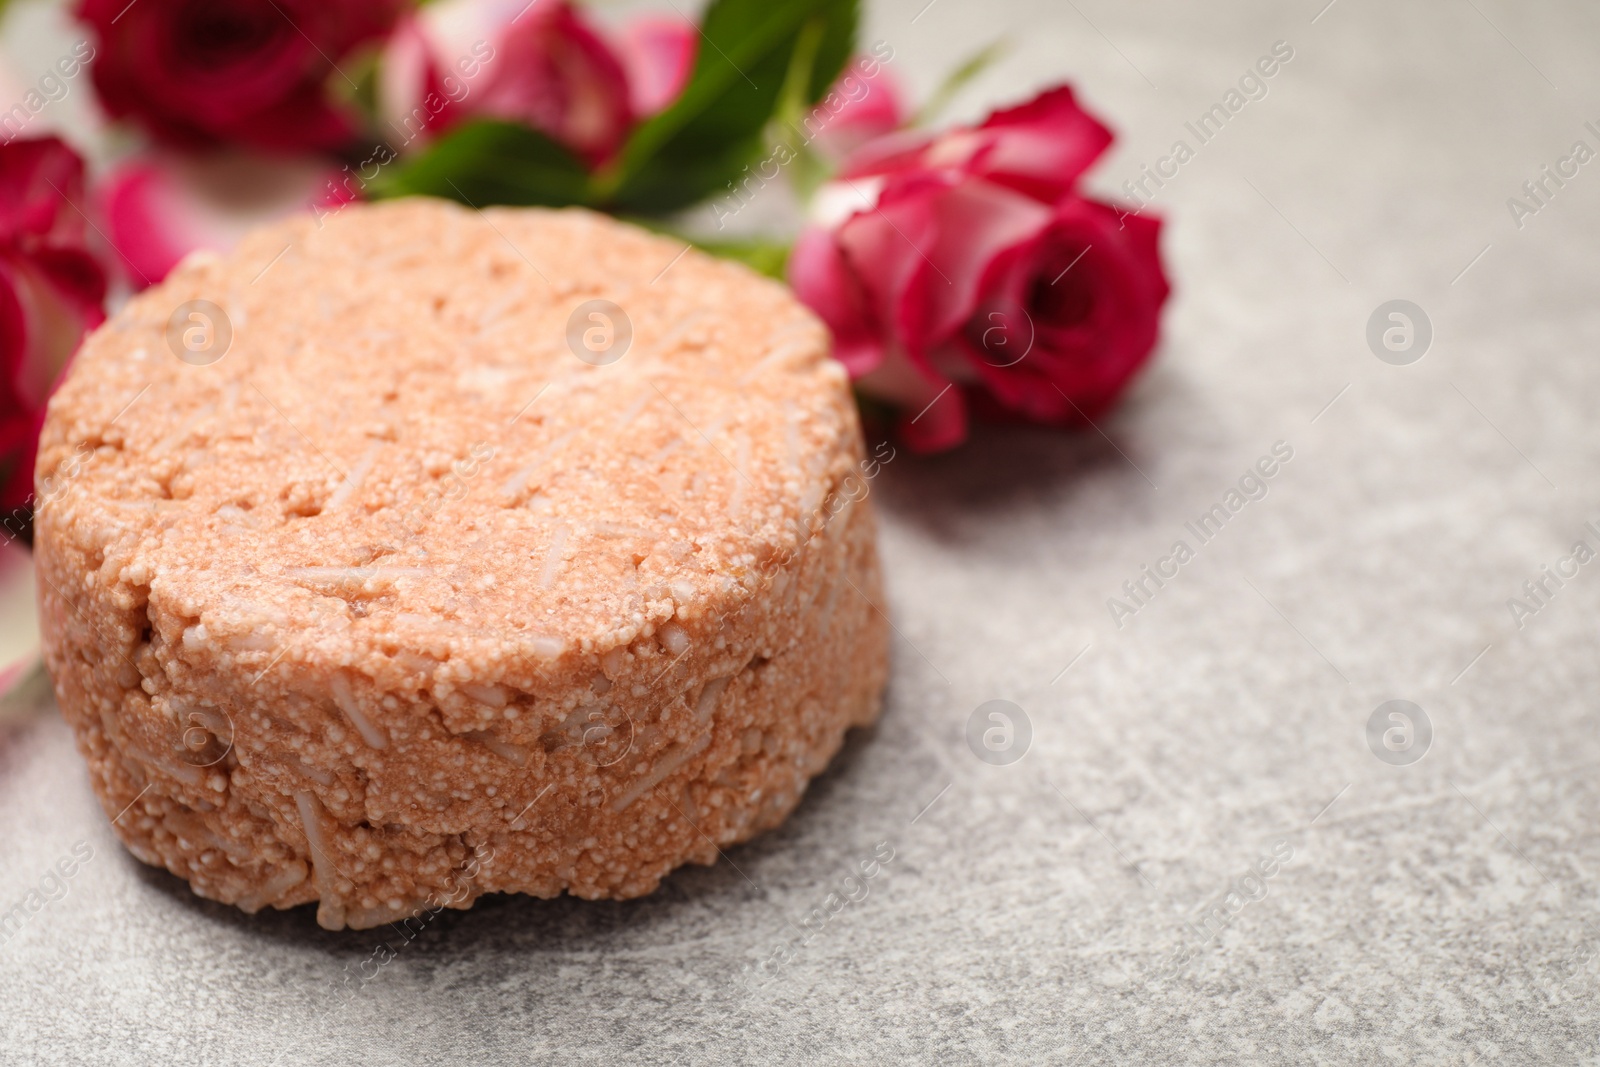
x=555, y=73
x=248, y=72
x=658, y=52
x=52, y=292
x=963, y=271
x=412, y=98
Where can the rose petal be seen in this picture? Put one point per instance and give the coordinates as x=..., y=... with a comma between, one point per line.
x=75, y=277
x=984, y=278
x=822, y=279
x=1105, y=329
x=1040, y=148
x=873, y=106
x=939, y=427
x=412, y=98
x=160, y=208
x=40, y=327
x=40, y=179
x=933, y=412
x=884, y=246
x=1043, y=146
x=977, y=223
x=150, y=223
x=658, y=53
x=556, y=73
x=249, y=72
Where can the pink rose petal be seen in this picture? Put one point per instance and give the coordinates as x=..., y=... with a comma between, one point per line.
x=160, y=208
x=658, y=53
x=1040, y=148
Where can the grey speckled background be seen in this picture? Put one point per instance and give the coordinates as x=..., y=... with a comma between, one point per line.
x=1438, y=913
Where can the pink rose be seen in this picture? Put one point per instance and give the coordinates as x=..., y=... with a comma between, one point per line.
x=556, y=73
x=160, y=207
x=658, y=53
x=964, y=271
x=864, y=104
x=51, y=293
x=247, y=72
x=1040, y=148
x=412, y=98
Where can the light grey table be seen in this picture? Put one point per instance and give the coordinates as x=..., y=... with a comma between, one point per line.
x=1055, y=909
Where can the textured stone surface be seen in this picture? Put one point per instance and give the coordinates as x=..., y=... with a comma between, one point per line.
x=1440, y=913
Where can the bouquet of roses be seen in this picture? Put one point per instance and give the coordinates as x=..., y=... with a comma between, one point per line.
x=963, y=272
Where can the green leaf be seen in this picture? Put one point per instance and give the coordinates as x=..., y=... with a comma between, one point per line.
x=356, y=84
x=491, y=162
x=750, y=51
x=795, y=96
x=715, y=128
x=765, y=257
x=807, y=170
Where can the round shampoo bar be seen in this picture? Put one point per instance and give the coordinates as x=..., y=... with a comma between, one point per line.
x=424, y=553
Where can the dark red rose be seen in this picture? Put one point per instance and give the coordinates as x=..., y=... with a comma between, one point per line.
x=247, y=72
x=52, y=291
x=965, y=271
